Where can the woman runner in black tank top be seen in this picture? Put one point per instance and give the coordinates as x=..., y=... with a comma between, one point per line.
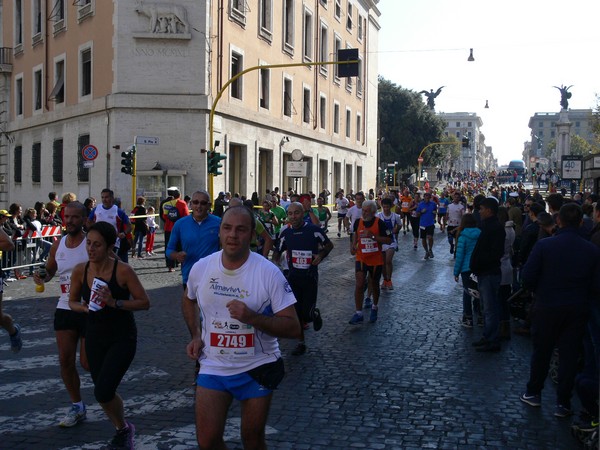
x=111, y=291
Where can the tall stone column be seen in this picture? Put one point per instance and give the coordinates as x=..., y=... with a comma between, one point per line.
x=563, y=136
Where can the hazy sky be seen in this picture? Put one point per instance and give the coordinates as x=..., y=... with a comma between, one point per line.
x=521, y=48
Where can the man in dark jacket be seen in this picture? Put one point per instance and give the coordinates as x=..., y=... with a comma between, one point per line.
x=485, y=264
x=563, y=271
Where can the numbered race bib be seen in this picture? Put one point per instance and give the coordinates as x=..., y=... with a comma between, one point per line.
x=368, y=245
x=231, y=338
x=65, y=284
x=301, y=259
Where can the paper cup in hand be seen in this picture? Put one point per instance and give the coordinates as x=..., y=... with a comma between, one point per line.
x=95, y=303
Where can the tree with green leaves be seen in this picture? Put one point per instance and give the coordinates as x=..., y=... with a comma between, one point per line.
x=407, y=125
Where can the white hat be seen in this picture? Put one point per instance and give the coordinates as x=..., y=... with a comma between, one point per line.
x=173, y=188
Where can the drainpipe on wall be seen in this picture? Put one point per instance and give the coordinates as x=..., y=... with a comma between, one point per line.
x=108, y=147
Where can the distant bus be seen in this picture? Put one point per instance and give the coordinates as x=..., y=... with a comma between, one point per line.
x=518, y=165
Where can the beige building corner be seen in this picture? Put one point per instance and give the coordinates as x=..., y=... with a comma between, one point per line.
x=100, y=72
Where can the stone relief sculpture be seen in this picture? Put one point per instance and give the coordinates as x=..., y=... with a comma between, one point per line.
x=164, y=17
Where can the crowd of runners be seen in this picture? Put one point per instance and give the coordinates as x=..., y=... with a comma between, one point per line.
x=250, y=276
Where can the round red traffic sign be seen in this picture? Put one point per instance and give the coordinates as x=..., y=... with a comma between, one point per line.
x=89, y=152
x=419, y=159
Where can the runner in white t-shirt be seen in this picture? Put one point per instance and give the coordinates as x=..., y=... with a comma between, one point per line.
x=341, y=206
x=246, y=304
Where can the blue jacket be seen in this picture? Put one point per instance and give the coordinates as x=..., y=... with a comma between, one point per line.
x=563, y=270
x=464, y=248
x=197, y=240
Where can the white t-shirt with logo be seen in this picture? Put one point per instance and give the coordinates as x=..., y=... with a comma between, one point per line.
x=232, y=347
x=66, y=260
x=455, y=213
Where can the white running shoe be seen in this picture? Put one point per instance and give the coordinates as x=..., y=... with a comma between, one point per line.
x=73, y=417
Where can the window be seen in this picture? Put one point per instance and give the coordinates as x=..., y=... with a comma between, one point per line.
x=359, y=78
x=322, y=112
x=457, y=124
x=577, y=123
x=336, y=118
x=19, y=97
x=266, y=19
x=287, y=97
x=307, y=36
x=469, y=124
x=83, y=174
x=323, y=2
x=18, y=23
x=37, y=20
x=58, y=10
x=348, y=79
x=37, y=90
x=348, y=122
x=552, y=134
x=58, y=92
x=86, y=9
x=36, y=162
x=349, y=17
x=265, y=88
x=358, y=126
x=306, y=105
x=86, y=72
x=57, y=161
x=337, y=45
x=541, y=124
x=323, y=45
x=288, y=26
x=237, y=11
x=18, y=164
x=236, y=67
x=338, y=9
x=361, y=27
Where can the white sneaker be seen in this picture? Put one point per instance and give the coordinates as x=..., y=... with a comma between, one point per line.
x=73, y=417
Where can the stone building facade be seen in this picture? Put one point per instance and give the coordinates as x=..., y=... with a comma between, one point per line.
x=99, y=73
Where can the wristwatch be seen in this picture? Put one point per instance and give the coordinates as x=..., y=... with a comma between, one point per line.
x=118, y=304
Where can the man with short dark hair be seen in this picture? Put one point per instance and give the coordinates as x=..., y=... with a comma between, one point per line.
x=110, y=212
x=306, y=245
x=563, y=294
x=485, y=264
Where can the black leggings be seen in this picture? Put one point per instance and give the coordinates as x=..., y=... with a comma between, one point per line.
x=109, y=359
x=414, y=225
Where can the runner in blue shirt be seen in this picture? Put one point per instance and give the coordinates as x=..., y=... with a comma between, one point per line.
x=443, y=203
x=426, y=210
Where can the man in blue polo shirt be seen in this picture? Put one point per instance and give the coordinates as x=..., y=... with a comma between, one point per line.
x=426, y=210
x=196, y=235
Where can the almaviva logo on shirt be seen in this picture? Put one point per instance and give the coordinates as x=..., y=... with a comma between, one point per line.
x=227, y=290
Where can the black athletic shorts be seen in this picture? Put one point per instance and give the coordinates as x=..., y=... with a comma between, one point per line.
x=65, y=319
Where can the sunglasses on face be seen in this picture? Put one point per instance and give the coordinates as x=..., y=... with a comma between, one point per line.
x=200, y=202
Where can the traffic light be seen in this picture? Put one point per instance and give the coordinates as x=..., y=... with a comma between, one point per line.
x=214, y=163
x=128, y=160
x=465, y=142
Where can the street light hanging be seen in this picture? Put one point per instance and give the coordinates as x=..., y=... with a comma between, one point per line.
x=486, y=105
x=470, y=58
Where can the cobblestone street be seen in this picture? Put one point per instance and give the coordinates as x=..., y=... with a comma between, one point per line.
x=409, y=381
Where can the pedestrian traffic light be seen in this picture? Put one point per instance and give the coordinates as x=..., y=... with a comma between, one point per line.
x=127, y=162
x=465, y=142
x=214, y=163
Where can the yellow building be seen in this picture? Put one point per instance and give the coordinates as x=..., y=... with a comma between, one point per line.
x=81, y=79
